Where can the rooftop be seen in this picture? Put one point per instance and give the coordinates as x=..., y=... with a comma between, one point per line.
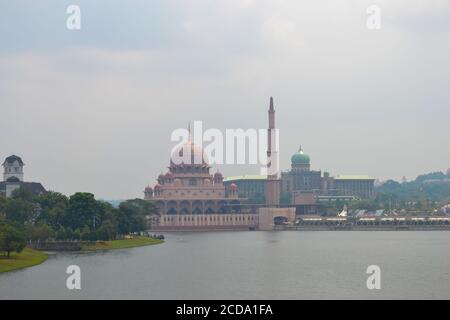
x=13, y=158
x=33, y=187
x=353, y=177
x=246, y=177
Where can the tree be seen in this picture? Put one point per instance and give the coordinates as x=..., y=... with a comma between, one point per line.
x=68, y=235
x=11, y=239
x=110, y=217
x=83, y=210
x=53, y=215
x=22, y=194
x=61, y=234
x=123, y=223
x=20, y=210
x=40, y=232
x=77, y=234
x=134, y=214
x=2, y=205
x=106, y=231
x=430, y=176
x=85, y=234
x=53, y=208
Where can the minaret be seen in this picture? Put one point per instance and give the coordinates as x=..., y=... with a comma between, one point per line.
x=272, y=183
x=270, y=131
x=189, y=130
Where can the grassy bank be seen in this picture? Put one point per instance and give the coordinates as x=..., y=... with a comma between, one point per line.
x=27, y=258
x=121, y=244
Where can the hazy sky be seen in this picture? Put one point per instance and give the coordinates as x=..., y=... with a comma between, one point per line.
x=93, y=109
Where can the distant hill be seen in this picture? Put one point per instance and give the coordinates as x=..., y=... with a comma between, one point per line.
x=114, y=203
x=434, y=186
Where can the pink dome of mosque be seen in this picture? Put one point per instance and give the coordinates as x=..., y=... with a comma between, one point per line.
x=233, y=187
x=197, y=155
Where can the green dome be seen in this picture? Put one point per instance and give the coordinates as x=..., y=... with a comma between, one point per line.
x=300, y=157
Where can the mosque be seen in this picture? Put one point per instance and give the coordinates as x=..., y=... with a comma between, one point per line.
x=189, y=197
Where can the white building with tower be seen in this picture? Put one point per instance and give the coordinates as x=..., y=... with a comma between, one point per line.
x=13, y=178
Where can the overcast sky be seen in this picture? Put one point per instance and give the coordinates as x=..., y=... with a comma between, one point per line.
x=93, y=109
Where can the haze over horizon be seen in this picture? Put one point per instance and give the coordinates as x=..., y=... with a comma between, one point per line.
x=93, y=109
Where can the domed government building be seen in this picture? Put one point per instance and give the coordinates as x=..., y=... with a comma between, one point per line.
x=306, y=188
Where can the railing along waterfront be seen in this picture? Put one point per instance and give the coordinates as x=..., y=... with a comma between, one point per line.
x=369, y=223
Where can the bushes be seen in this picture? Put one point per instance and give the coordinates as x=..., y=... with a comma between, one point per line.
x=65, y=234
x=45, y=233
x=40, y=232
x=12, y=239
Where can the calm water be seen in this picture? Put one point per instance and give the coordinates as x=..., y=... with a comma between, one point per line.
x=250, y=265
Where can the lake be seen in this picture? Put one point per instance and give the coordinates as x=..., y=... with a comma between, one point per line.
x=250, y=265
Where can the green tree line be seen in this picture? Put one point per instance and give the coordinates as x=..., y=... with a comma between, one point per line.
x=25, y=217
x=428, y=192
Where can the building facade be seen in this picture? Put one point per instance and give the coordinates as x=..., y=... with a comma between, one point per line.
x=251, y=187
x=308, y=188
x=305, y=188
x=301, y=177
x=189, y=197
x=358, y=186
x=13, y=178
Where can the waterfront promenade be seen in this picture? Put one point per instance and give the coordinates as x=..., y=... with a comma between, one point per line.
x=398, y=223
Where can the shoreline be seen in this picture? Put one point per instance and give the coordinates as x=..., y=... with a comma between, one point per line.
x=26, y=259
x=139, y=241
x=31, y=257
x=316, y=228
